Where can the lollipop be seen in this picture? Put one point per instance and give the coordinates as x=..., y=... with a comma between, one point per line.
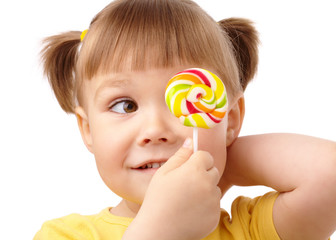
x=198, y=98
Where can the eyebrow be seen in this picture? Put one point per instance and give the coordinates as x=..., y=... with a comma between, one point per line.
x=111, y=83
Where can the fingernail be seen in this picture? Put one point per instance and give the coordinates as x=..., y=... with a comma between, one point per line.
x=187, y=143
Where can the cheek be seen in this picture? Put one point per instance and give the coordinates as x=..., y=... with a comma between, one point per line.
x=108, y=147
x=109, y=153
x=103, y=144
x=108, y=135
x=214, y=141
x=112, y=141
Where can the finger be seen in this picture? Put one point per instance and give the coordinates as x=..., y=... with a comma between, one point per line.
x=202, y=160
x=214, y=175
x=180, y=157
x=218, y=193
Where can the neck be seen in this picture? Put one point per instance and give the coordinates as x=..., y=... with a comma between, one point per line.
x=126, y=209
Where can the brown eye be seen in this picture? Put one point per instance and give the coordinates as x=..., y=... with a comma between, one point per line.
x=124, y=106
x=130, y=106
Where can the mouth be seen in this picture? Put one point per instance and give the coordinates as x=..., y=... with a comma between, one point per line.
x=150, y=165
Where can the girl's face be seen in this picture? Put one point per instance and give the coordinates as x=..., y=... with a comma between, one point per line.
x=128, y=127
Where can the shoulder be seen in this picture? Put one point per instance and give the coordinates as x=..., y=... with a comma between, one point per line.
x=252, y=217
x=262, y=204
x=76, y=226
x=73, y=226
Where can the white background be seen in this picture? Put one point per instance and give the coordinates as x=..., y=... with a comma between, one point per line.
x=45, y=170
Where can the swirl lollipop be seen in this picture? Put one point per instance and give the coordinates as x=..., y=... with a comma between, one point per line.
x=198, y=98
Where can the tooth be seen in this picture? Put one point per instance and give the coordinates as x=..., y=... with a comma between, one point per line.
x=155, y=165
x=149, y=165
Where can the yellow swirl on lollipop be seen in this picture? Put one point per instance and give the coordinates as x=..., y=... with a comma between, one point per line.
x=197, y=97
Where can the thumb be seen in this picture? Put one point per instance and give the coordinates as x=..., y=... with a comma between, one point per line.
x=180, y=157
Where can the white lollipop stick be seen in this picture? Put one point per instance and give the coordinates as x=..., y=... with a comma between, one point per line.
x=195, y=139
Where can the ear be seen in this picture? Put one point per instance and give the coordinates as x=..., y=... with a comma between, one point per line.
x=84, y=127
x=236, y=115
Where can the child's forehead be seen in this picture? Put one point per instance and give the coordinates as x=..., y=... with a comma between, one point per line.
x=136, y=83
x=136, y=78
x=112, y=81
x=126, y=76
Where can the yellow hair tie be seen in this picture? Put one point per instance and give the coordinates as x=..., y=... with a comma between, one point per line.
x=83, y=35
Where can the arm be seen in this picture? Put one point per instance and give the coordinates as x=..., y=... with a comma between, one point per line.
x=301, y=168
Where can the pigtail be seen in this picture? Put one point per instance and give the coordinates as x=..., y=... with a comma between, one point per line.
x=59, y=56
x=244, y=39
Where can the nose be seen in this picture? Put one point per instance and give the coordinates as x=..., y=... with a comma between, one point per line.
x=156, y=129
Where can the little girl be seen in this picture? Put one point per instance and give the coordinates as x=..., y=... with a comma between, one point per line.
x=113, y=78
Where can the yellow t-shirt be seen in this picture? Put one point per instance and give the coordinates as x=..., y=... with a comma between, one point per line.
x=251, y=219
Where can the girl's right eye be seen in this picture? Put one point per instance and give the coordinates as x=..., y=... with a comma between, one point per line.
x=124, y=106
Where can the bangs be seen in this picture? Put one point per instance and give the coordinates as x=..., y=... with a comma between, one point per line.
x=139, y=35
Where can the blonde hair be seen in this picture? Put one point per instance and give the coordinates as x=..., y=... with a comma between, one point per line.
x=138, y=35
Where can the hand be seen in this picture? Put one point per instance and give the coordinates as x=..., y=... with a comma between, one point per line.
x=182, y=201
